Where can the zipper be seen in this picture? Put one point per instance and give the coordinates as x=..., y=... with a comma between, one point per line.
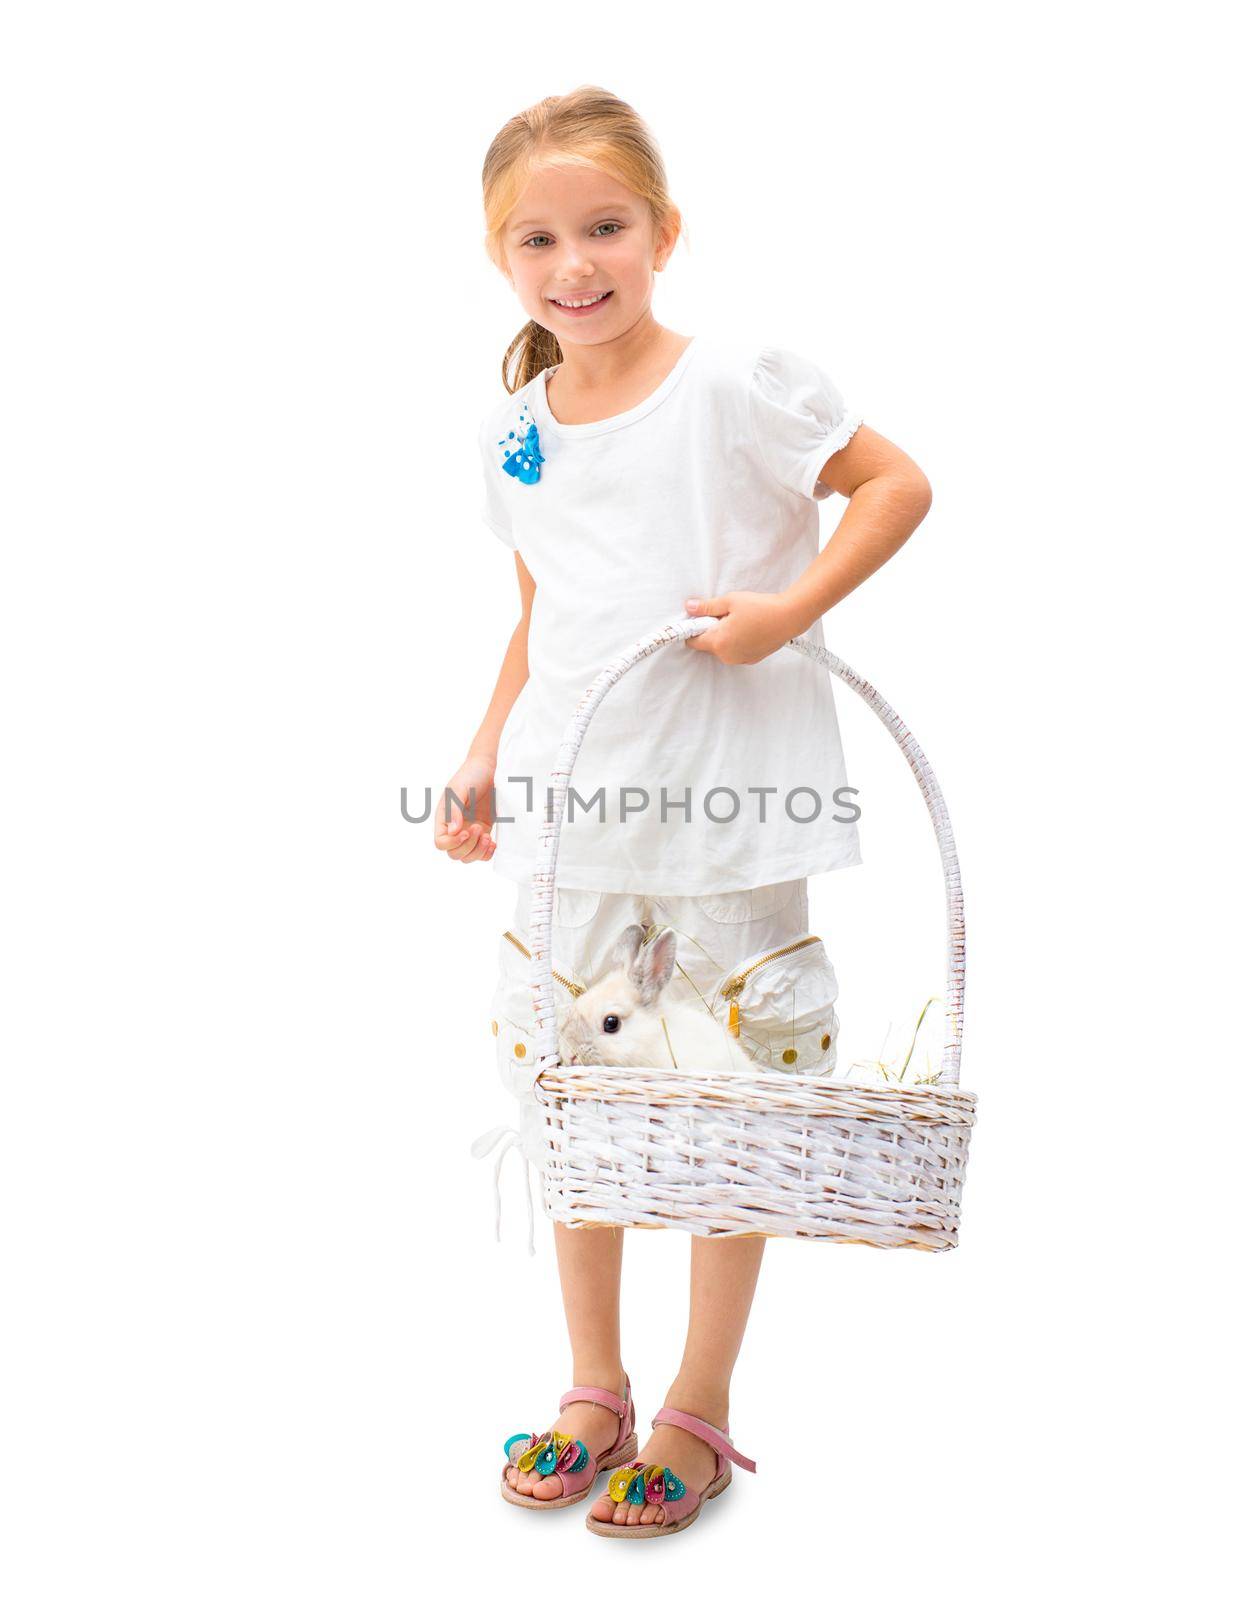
x=732, y=988
x=575, y=988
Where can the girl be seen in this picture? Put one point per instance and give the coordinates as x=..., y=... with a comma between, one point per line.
x=637, y=472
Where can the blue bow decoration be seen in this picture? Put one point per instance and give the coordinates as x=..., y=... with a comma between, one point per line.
x=523, y=461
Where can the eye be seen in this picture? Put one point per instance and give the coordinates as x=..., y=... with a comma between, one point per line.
x=611, y=1023
x=617, y=226
x=533, y=239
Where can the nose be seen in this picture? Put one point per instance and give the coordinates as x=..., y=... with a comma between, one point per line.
x=575, y=266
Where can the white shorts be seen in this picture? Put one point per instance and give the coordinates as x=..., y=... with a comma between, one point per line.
x=757, y=941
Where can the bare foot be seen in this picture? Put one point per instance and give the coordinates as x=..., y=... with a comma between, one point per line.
x=596, y=1425
x=689, y=1458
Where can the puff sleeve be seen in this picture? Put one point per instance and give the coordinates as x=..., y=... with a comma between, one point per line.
x=799, y=418
x=495, y=510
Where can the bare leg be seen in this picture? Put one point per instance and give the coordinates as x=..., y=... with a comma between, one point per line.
x=590, y=1264
x=724, y=1277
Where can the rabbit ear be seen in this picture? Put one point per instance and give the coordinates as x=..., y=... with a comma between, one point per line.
x=628, y=943
x=655, y=962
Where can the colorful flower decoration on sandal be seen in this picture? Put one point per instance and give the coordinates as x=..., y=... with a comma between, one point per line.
x=639, y=1484
x=523, y=460
x=546, y=1453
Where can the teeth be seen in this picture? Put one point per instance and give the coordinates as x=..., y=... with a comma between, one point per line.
x=590, y=301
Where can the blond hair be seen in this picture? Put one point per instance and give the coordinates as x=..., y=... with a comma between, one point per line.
x=587, y=127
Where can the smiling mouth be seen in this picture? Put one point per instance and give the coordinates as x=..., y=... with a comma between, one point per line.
x=581, y=310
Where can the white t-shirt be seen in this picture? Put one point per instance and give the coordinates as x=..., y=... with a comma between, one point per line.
x=708, y=485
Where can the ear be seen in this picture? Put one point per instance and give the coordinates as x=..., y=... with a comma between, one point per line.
x=626, y=946
x=666, y=238
x=655, y=962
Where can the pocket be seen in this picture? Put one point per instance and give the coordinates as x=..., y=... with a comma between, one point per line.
x=513, y=1017
x=781, y=1005
x=747, y=905
x=575, y=908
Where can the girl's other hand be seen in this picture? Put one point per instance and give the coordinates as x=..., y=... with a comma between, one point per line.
x=467, y=833
x=753, y=626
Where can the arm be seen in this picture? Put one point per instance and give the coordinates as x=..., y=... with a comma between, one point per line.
x=888, y=498
x=513, y=674
x=473, y=841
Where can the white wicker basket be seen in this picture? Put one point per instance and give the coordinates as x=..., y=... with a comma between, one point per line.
x=768, y=1153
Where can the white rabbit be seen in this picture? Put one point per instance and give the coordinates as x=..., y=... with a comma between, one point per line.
x=619, y=1021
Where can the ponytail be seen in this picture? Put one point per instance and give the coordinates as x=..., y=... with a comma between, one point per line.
x=532, y=350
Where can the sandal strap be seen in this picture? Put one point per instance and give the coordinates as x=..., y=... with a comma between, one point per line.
x=706, y=1431
x=600, y=1397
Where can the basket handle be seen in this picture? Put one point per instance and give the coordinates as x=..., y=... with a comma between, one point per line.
x=542, y=889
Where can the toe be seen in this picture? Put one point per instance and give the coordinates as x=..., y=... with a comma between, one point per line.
x=649, y=1514
x=511, y=1477
x=620, y=1514
x=525, y=1481
x=548, y=1488
x=633, y=1515
x=603, y=1509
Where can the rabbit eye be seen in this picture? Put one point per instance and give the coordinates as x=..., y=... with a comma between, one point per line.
x=611, y=1023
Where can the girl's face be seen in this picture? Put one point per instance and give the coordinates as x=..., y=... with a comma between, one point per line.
x=576, y=233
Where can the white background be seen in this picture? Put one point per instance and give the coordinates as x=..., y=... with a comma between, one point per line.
x=259, y=1339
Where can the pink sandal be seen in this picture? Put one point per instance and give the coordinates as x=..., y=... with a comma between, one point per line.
x=568, y=1458
x=641, y=1484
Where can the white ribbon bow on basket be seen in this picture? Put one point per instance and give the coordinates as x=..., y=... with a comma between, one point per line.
x=507, y=1139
